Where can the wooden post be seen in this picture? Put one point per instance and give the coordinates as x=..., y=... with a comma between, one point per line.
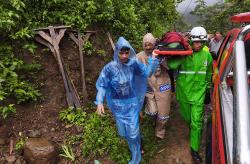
x=80, y=42
x=111, y=41
x=52, y=41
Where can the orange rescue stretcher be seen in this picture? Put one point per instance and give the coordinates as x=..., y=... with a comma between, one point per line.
x=174, y=52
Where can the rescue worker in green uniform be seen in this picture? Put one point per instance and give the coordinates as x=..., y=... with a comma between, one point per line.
x=192, y=85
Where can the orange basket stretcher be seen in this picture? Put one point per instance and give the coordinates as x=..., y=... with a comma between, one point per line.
x=174, y=52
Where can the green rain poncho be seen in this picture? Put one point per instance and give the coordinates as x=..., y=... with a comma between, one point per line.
x=194, y=79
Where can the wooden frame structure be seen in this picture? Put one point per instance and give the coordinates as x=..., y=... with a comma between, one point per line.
x=51, y=37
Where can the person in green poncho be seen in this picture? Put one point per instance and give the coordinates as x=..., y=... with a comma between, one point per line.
x=192, y=85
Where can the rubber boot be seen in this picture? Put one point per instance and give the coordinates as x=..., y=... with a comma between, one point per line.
x=160, y=128
x=135, y=149
x=196, y=157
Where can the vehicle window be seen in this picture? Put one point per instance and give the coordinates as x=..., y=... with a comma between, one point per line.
x=228, y=71
x=226, y=106
x=247, y=51
x=225, y=51
x=226, y=99
x=249, y=96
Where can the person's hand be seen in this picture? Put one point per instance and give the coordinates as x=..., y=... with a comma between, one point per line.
x=100, y=109
x=154, y=54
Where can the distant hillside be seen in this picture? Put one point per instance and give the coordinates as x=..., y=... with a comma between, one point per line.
x=191, y=19
x=188, y=5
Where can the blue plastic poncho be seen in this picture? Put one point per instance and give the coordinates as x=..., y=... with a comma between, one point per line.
x=124, y=86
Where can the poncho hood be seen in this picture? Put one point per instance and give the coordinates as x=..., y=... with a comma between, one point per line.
x=122, y=42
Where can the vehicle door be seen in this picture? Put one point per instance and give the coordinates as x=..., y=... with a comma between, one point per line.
x=222, y=114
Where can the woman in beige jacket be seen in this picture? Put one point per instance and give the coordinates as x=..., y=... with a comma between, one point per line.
x=158, y=97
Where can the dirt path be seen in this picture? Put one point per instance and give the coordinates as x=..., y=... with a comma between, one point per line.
x=176, y=144
x=175, y=148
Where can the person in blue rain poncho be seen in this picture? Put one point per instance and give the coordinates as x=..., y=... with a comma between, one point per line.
x=123, y=83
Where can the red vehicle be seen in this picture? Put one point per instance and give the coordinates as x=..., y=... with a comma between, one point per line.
x=230, y=130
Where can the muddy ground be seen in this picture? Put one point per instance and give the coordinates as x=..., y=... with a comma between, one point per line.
x=43, y=115
x=175, y=148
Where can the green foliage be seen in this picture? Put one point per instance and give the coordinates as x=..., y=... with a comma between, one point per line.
x=9, y=14
x=21, y=34
x=77, y=117
x=17, y=4
x=19, y=145
x=67, y=153
x=149, y=139
x=88, y=48
x=31, y=47
x=100, y=138
x=101, y=53
x=29, y=68
x=23, y=91
x=131, y=19
x=7, y=110
x=11, y=84
x=72, y=140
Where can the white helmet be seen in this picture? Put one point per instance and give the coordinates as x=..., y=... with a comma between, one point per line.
x=198, y=34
